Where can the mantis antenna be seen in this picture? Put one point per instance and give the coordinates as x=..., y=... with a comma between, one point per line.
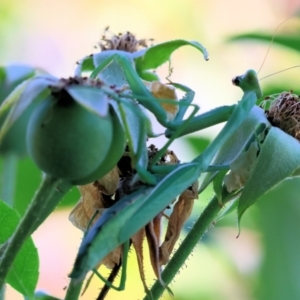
x=297, y=66
x=249, y=82
x=270, y=45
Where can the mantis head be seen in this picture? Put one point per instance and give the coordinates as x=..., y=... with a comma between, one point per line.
x=248, y=82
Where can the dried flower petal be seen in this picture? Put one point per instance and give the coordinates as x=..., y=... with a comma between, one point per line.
x=112, y=259
x=153, y=231
x=163, y=91
x=109, y=183
x=91, y=201
x=240, y=169
x=181, y=212
x=137, y=242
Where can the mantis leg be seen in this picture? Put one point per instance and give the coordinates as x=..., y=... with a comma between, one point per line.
x=121, y=286
x=247, y=82
x=178, y=127
x=135, y=124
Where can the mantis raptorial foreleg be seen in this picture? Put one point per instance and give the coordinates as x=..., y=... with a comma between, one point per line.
x=247, y=82
x=178, y=126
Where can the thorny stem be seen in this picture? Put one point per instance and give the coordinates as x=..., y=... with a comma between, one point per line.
x=43, y=203
x=74, y=289
x=196, y=233
x=75, y=285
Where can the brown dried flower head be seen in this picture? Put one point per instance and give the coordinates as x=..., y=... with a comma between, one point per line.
x=123, y=41
x=284, y=112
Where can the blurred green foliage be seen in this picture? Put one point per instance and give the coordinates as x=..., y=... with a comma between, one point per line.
x=28, y=180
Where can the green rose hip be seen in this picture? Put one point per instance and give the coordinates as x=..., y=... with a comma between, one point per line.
x=68, y=141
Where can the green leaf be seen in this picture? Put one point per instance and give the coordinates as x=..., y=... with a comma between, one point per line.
x=93, y=99
x=37, y=89
x=291, y=41
x=114, y=73
x=12, y=98
x=85, y=65
x=198, y=144
x=149, y=76
x=11, y=76
x=2, y=75
x=229, y=208
x=278, y=222
x=135, y=122
x=218, y=185
x=24, y=273
x=279, y=157
x=155, y=56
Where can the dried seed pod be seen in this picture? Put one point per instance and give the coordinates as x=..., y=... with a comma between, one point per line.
x=284, y=112
x=124, y=42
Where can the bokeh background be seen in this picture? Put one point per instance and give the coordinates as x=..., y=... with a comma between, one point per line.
x=264, y=262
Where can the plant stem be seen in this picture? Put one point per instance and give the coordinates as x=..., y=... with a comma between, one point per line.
x=187, y=246
x=9, y=168
x=74, y=289
x=43, y=203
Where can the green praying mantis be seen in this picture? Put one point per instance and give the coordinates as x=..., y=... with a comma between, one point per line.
x=145, y=204
x=119, y=69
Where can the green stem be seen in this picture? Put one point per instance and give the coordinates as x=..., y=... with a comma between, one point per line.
x=187, y=246
x=45, y=200
x=9, y=168
x=74, y=289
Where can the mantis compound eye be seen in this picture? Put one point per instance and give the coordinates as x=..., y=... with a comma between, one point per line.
x=236, y=80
